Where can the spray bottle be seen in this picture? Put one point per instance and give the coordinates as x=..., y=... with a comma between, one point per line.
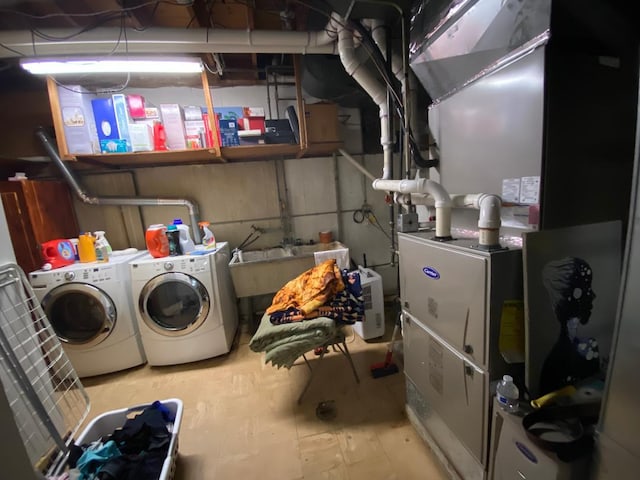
x=208, y=239
x=102, y=247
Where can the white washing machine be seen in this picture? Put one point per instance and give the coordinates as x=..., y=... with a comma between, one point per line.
x=185, y=306
x=89, y=306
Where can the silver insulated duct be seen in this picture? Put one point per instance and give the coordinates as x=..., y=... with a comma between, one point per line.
x=191, y=206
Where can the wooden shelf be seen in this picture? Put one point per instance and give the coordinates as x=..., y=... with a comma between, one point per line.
x=212, y=155
x=256, y=152
x=243, y=153
x=151, y=159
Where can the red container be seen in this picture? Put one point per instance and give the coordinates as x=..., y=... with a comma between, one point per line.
x=157, y=242
x=58, y=253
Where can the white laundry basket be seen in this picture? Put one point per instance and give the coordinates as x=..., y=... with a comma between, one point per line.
x=107, y=422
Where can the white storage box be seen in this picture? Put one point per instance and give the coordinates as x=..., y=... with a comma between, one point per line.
x=373, y=325
x=106, y=423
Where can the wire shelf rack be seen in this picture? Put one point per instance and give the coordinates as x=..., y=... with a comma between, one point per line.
x=45, y=394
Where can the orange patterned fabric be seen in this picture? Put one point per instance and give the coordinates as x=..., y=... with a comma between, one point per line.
x=309, y=290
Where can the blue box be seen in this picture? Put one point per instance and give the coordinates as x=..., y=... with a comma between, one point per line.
x=228, y=113
x=229, y=133
x=122, y=117
x=115, y=145
x=105, y=117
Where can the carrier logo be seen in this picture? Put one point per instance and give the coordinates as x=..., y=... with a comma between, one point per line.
x=431, y=273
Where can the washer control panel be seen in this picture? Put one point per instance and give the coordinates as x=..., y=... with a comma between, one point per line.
x=182, y=264
x=90, y=274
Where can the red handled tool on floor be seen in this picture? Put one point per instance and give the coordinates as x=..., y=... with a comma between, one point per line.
x=383, y=369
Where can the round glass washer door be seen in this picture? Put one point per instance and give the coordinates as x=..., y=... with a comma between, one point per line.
x=80, y=314
x=174, y=304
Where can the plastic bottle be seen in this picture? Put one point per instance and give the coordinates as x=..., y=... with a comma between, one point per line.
x=101, y=237
x=156, y=240
x=86, y=248
x=102, y=253
x=208, y=239
x=173, y=236
x=507, y=394
x=186, y=243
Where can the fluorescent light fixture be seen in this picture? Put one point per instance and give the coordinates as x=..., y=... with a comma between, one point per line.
x=111, y=65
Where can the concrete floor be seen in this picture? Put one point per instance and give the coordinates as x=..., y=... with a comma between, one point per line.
x=242, y=421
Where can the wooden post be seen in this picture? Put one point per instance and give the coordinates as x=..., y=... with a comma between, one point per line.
x=213, y=125
x=58, y=122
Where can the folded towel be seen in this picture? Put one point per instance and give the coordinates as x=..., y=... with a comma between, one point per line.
x=284, y=343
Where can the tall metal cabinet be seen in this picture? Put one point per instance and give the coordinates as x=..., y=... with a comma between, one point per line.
x=453, y=296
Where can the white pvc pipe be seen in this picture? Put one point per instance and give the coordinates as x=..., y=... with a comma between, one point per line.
x=489, y=204
x=424, y=186
x=354, y=66
x=104, y=40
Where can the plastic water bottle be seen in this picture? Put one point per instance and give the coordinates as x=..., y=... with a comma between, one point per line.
x=507, y=394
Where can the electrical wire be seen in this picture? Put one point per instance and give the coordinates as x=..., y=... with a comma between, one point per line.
x=94, y=14
x=365, y=214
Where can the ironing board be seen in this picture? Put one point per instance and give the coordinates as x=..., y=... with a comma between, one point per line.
x=283, y=344
x=336, y=342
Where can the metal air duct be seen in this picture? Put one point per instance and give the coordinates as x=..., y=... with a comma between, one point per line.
x=191, y=206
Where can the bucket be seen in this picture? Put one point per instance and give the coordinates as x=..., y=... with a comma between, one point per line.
x=156, y=240
x=58, y=253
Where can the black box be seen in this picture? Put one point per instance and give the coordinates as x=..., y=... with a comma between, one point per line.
x=278, y=131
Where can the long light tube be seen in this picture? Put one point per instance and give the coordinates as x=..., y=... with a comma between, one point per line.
x=111, y=65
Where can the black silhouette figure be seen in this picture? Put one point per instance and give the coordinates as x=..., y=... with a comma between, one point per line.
x=568, y=282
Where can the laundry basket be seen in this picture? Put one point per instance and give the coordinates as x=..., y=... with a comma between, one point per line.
x=48, y=401
x=107, y=422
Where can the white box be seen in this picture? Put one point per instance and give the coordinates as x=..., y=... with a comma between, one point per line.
x=141, y=136
x=173, y=126
x=106, y=423
x=373, y=324
x=77, y=118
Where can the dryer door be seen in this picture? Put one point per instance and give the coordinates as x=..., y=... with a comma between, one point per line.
x=174, y=304
x=82, y=315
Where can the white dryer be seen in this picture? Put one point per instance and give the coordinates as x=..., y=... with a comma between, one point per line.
x=89, y=306
x=185, y=306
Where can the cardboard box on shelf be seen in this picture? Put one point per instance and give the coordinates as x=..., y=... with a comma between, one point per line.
x=136, y=107
x=173, y=126
x=78, y=121
x=105, y=117
x=322, y=122
x=115, y=145
x=278, y=131
x=228, y=130
x=122, y=117
x=141, y=135
x=251, y=137
x=252, y=112
x=228, y=113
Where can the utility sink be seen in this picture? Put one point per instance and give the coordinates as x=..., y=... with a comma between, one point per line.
x=259, y=272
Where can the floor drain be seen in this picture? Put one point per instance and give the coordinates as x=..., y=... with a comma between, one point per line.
x=326, y=410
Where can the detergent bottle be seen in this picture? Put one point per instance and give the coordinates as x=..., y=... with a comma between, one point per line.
x=208, y=239
x=186, y=243
x=58, y=253
x=86, y=248
x=173, y=235
x=156, y=240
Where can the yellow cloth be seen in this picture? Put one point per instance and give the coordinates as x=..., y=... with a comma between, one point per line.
x=309, y=290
